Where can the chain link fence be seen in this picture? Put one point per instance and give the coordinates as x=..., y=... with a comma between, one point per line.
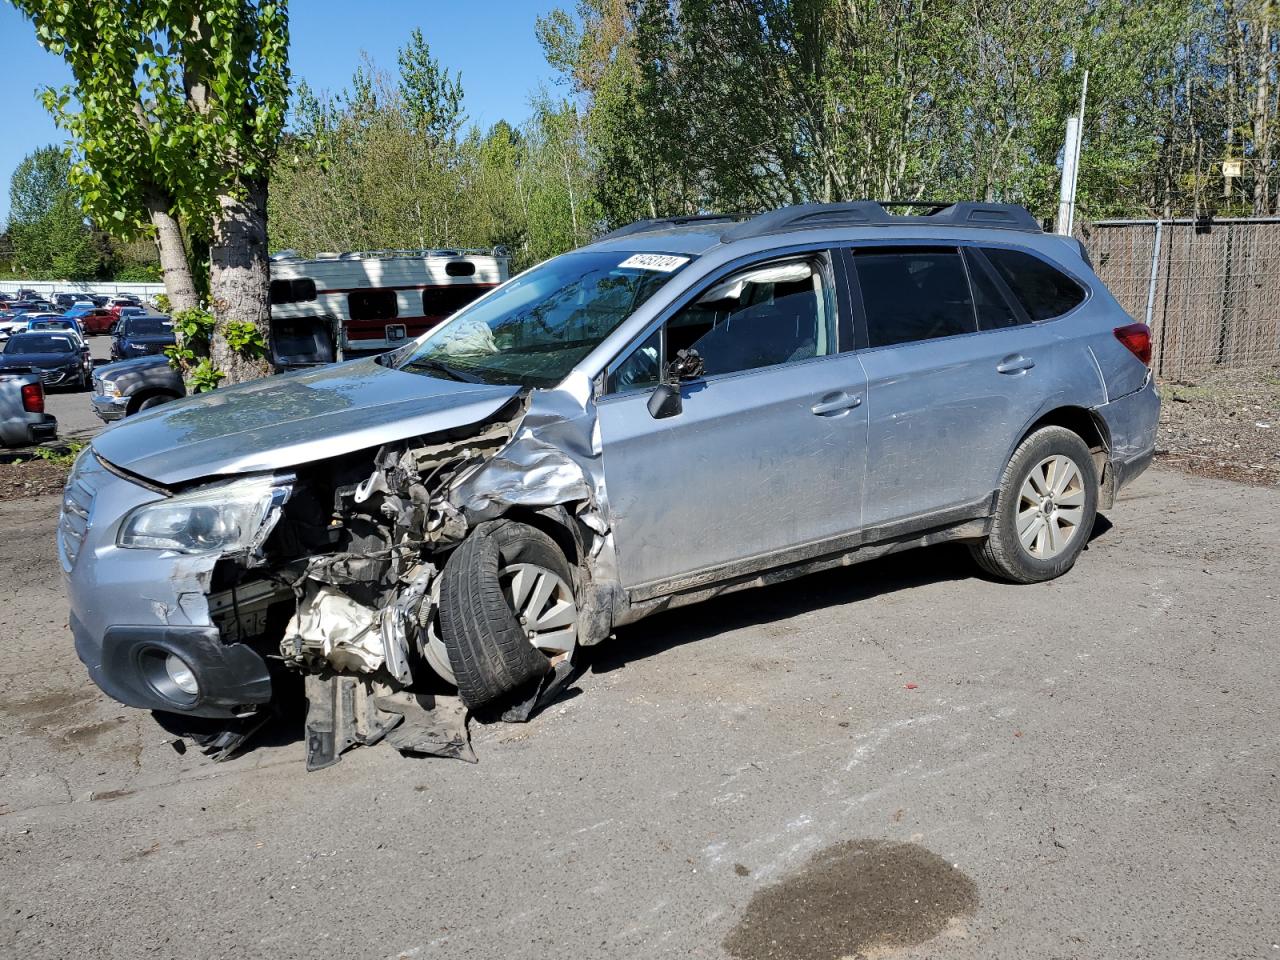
x=1209, y=289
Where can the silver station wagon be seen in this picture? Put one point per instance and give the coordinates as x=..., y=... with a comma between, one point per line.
x=685, y=407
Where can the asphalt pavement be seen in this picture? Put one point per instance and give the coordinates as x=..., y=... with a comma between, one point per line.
x=76, y=419
x=899, y=759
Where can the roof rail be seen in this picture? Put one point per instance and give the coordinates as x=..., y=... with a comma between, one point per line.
x=870, y=213
x=661, y=223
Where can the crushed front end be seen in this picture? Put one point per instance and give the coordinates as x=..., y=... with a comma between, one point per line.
x=223, y=600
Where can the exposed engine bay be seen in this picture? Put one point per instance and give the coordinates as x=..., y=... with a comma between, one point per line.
x=345, y=590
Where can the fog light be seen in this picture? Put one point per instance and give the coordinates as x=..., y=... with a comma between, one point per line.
x=181, y=675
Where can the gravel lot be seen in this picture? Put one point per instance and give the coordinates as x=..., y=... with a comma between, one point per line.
x=897, y=760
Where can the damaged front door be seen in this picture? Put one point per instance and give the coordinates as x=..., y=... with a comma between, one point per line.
x=768, y=450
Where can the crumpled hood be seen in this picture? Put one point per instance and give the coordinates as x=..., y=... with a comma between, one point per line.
x=291, y=419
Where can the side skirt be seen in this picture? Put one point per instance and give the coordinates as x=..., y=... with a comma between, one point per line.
x=969, y=522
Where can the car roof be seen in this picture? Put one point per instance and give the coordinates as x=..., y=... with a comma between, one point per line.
x=742, y=235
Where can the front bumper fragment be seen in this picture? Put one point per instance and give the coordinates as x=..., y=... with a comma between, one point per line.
x=233, y=679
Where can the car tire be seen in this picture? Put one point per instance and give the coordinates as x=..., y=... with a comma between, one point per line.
x=1045, y=509
x=152, y=401
x=485, y=624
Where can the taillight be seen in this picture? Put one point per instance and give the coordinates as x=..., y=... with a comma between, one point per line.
x=33, y=397
x=1137, y=338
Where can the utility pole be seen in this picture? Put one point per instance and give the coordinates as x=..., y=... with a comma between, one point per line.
x=1071, y=166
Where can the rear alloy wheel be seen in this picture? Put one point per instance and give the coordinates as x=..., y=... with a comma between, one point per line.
x=507, y=612
x=1050, y=507
x=1045, y=509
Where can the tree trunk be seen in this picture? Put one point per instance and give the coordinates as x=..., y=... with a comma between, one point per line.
x=240, y=278
x=179, y=285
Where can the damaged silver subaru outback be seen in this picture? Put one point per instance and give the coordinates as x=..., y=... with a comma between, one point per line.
x=682, y=408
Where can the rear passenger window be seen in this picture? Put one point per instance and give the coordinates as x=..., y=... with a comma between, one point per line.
x=913, y=294
x=1044, y=291
x=993, y=309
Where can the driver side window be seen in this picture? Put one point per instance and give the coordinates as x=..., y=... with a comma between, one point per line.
x=760, y=316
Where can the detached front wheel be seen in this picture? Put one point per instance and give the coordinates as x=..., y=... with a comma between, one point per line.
x=507, y=611
x=1045, y=509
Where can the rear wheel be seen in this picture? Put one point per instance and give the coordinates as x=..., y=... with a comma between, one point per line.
x=1045, y=509
x=507, y=611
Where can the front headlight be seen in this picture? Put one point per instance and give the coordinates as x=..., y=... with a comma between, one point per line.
x=225, y=517
x=110, y=388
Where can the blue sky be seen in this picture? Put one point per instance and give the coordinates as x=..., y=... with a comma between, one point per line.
x=491, y=42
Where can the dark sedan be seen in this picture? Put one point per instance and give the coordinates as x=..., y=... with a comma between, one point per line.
x=57, y=357
x=136, y=336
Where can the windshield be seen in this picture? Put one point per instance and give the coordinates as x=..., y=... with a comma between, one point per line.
x=149, y=326
x=534, y=330
x=38, y=343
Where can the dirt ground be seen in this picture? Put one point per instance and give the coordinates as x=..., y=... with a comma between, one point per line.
x=895, y=760
x=1224, y=425
x=32, y=478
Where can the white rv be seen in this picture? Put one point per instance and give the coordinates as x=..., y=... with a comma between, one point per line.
x=375, y=300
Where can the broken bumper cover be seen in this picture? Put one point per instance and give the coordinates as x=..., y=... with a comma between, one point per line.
x=129, y=608
x=128, y=664
x=1131, y=426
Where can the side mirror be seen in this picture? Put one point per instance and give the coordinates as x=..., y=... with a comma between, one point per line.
x=665, y=401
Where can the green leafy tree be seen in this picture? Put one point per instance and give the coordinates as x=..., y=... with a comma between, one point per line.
x=46, y=226
x=175, y=114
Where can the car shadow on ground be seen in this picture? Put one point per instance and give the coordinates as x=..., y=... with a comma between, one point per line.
x=780, y=601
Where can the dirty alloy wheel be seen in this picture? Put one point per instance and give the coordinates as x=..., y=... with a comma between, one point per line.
x=506, y=611
x=1045, y=509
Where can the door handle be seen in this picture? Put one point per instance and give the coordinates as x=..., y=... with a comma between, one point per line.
x=1015, y=363
x=836, y=403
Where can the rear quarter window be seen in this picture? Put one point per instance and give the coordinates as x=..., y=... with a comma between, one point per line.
x=1043, y=290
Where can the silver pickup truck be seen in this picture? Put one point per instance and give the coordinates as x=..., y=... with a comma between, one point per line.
x=22, y=417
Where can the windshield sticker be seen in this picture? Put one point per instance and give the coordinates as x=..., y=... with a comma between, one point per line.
x=661, y=262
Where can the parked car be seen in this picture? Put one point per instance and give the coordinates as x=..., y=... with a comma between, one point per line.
x=140, y=336
x=97, y=320
x=22, y=322
x=79, y=308
x=131, y=386
x=23, y=419
x=11, y=323
x=45, y=323
x=116, y=304
x=60, y=358
x=683, y=408
x=64, y=301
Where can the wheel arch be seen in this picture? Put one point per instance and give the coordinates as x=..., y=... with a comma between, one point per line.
x=136, y=400
x=1089, y=427
x=557, y=523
